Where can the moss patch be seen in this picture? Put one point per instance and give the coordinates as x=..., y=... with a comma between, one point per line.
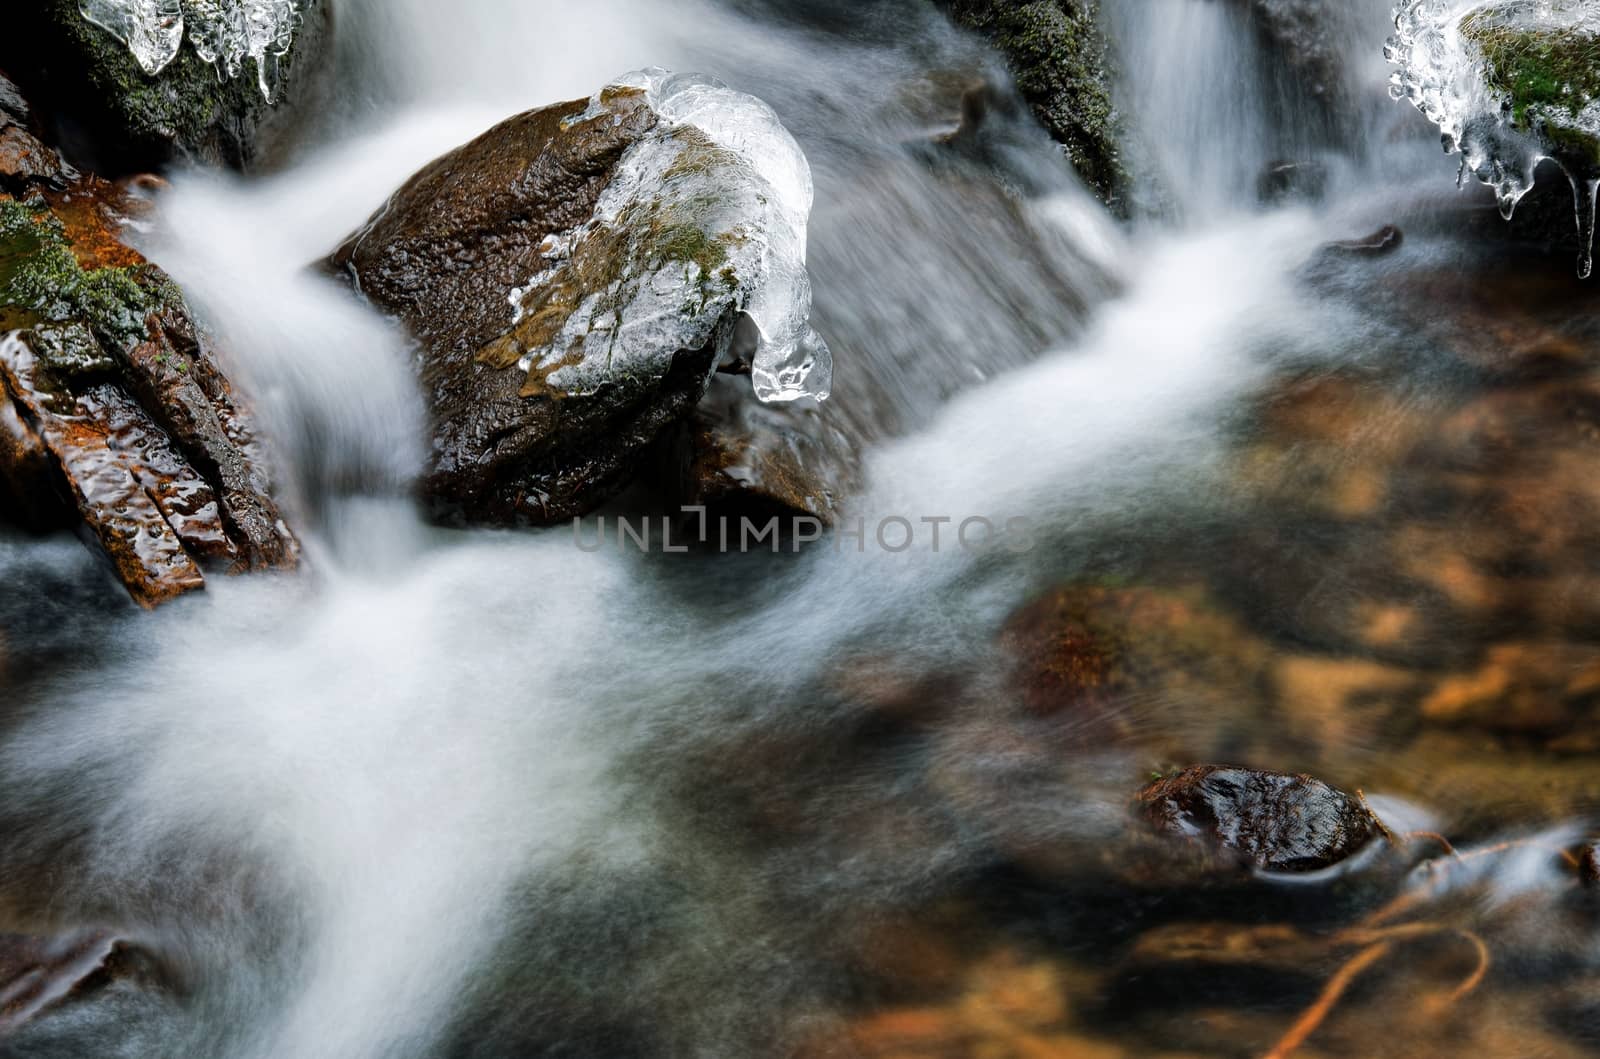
x=1057, y=54
x=40, y=278
x=1550, y=71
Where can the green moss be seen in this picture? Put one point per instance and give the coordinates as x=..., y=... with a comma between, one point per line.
x=1055, y=51
x=40, y=277
x=1537, y=71
x=136, y=120
x=688, y=242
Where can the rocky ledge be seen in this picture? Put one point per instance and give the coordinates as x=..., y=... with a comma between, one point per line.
x=114, y=415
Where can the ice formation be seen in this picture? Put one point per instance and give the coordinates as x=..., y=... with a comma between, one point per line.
x=1510, y=83
x=705, y=212
x=224, y=32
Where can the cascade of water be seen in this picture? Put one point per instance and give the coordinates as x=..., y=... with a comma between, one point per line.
x=430, y=799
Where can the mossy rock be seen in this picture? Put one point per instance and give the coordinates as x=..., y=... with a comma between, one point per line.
x=105, y=111
x=1547, y=79
x=1058, y=56
x=115, y=415
x=42, y=282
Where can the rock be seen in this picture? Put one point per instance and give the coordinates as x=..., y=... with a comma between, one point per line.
x=1589, y=865
x=1099, y=656
x=1058, y=56
x=25, y=162
x=575, y=274
x=1385, y=240
x=1286, y=181
x=1509, y=84
x=41, y=973
x=113, y=412
x=110, y=113
x=1310, y=37
x=1271, y=821
x=736, y=456
x=1539, y=691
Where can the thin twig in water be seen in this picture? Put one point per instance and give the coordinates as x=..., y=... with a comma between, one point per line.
x=1307, y=1023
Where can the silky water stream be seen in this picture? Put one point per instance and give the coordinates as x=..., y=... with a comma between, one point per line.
x=1259, y=493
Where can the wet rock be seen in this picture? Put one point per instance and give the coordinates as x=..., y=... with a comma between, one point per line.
x=26, y=163
x=1385, y=240
x=1058, y=56
x=113, y=413
x=1097, y=657
x=575, y=274
x=1272, y=821
x=1286, y=181
x=736, y=456
x=111, y=115
x=1328, y=705
x=1309, y=36
x=1589, y=865
x=40, y=973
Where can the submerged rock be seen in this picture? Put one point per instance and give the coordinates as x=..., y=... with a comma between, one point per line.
x=1272, y=821
x=1510, y=83
x=575, y=274
x=132, y=84
x=39, y=974
x=113, y=413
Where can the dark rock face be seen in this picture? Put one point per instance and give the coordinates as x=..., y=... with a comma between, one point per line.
x=40, y=974
x=740, y=456
x=25, y=162
x=1057, y=54
x=1269, y=820
x=551, y=359
x=1589, y=865
x=107, y=113
x=113, y=413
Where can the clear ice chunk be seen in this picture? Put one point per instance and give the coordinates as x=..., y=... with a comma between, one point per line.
x=224, y=33
x=704, y=214
x=1489, y=73
x=152, y=29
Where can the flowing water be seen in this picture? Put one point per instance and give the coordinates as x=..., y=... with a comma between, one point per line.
x=494, y=794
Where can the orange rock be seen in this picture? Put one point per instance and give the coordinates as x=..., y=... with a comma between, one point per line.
x=1525, y=688
x=1333, y=703
x=102, y=478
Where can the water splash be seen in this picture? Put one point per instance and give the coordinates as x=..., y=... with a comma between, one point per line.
x=1510, y=83
x=224, y=32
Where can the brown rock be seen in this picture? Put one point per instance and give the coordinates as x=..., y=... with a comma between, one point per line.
x=1547, y=690
x=85, y=435
x=1099, y=656
x=1385, y=240
x=113, y=412
x=737, y=455
x=37, y=973
x=25, y=162
x=443, y=255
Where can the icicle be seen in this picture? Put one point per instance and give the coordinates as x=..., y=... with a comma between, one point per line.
x=224, y=33
x=1584, y=196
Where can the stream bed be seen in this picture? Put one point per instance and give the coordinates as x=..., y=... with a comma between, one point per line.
x=1235, y=481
